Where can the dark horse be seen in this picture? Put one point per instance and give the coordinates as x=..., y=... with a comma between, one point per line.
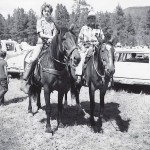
x=54, y=74
x=98, y=73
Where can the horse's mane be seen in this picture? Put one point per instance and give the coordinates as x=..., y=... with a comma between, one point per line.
x=99, y=59
x=55, y=39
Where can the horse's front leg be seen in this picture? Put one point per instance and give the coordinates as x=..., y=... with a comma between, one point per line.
x=65, y=102
x=59, y=117
x=48, y=109
x=75, y=91
x=38, y=99
x=30, y=105
x=102, y=95
x=92, y=103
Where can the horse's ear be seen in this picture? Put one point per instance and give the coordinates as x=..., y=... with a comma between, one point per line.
x=57, y=27
x=71, y=27
x=113, y=40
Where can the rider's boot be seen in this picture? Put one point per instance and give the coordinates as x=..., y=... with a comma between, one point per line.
x=79, y=79
x=28, y=70
x=25, y=87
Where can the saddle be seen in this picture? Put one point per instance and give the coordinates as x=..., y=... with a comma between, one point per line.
x=85, y=80
x=36, y=72
x=34, y=66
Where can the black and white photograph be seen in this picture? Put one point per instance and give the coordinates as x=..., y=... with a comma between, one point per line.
x=74, y=75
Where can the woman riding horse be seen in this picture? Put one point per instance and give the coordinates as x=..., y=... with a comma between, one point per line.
x=54, y=73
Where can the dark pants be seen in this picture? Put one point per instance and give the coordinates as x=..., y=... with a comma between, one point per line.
x=3, y=89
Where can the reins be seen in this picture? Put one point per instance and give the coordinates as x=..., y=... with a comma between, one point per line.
x=57, y=72
x=102, y=76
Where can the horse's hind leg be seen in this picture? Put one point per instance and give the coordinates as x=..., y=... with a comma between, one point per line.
x=75, y=91
x=38, y=99
x=30, y=105
x=59, y=119
x=92, y=103
x=65, y=102
x=48, y=109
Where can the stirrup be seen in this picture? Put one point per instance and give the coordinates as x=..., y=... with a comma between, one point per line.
x=79, y=79
x=25, y=87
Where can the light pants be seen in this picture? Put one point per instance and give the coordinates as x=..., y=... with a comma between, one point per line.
x=80, y=65
x=83, y=54
x=35, y=53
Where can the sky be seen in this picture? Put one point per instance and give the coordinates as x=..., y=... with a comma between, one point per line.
x=7, y=6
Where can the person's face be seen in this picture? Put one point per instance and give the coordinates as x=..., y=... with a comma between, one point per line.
x=92, y=20
x=46, y=12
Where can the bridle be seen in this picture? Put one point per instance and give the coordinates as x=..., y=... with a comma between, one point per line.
x=67, y=59
x=98, y=73
x=67, y=53
x=103, y=60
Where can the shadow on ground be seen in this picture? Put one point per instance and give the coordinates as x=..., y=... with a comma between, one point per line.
x=137, y=89
x=71, y=116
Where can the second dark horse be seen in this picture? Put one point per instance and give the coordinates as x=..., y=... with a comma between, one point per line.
x=98, y=73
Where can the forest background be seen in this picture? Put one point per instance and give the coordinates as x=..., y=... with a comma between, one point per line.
x=131, y=26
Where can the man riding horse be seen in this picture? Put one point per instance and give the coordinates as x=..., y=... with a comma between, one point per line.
x=88, y=36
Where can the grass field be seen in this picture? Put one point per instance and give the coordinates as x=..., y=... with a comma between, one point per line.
x=126, y=124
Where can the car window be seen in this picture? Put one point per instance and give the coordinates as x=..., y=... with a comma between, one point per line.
x=10, y=46
x=132, y=57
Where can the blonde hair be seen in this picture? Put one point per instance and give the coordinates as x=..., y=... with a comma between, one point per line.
x=44, y=6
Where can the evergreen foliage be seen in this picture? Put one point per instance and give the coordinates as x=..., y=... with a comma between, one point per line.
x=129, y=29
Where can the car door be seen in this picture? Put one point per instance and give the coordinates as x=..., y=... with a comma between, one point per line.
x=138, y=69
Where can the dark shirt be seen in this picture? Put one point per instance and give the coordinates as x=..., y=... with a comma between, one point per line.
x=3, y=64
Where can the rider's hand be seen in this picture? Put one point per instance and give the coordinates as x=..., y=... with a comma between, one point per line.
x=49, y=40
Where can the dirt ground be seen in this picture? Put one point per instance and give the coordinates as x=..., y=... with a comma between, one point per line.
x=126, y=124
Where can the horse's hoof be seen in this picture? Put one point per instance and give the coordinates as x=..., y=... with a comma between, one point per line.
x=61, y=125
x=79, y=108
x=66, y=106
x=94, y=129
x=30, y=111
x=30, y=115
x=101, y=131
x=49, y=130
x=40, y=110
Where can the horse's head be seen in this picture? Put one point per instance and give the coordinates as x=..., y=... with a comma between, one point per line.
x=69, y=46
x=107, y=58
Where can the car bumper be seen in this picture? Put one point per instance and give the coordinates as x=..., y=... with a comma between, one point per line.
x=15, y=70
x=131, y=81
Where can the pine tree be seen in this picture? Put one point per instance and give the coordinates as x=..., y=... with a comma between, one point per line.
x=19, y=27
x=2, y=27
x=61, y=16
x=31, y=28
x=104, y=20
x=9, y=24
x=79, y=14
x=118, y=25
x=130, y=30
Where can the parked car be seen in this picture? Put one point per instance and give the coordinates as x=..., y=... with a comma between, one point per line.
x=16, y=63
x=132, y=66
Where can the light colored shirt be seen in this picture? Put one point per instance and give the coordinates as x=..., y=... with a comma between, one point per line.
x=88, y=34
x=47, y=28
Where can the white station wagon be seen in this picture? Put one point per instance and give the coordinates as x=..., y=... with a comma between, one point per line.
x=132, y=66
